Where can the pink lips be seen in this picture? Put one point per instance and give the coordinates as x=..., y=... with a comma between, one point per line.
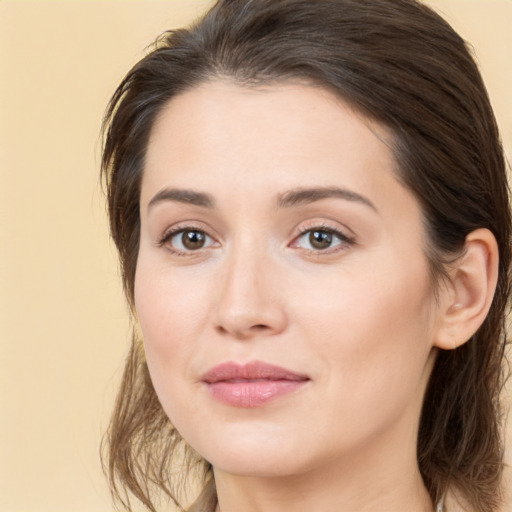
x=252, y=384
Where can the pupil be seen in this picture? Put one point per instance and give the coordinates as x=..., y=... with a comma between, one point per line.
x=320, y=239
x=193, y=239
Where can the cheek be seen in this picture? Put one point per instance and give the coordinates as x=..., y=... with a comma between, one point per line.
x=372, y=329
x=172, y=312
x=380, y=299
x=168, y=302
x=168, y=317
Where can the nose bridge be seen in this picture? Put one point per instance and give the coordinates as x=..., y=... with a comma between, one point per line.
x=248, y=300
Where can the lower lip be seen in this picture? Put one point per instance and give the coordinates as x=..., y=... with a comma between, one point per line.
x=252, y=393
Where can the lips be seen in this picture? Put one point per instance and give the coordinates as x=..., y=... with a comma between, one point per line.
x=252, y=384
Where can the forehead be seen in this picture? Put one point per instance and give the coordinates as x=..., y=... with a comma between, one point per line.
x=247, y=109
x=302, y=132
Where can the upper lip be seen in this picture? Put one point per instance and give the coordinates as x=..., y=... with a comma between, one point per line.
x=254, y=370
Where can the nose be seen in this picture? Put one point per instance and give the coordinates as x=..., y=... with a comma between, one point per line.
x=250, y=301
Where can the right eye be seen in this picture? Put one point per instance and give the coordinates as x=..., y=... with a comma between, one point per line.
x=186, y=240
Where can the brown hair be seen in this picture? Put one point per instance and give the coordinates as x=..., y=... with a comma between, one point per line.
x=399, y=63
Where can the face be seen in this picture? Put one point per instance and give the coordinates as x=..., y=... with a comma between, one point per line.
x=281, y=287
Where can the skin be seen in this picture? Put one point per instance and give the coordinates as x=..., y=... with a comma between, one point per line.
x=359, y=318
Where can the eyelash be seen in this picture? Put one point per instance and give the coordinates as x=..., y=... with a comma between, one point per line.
x=171, y=233
x=345, y=240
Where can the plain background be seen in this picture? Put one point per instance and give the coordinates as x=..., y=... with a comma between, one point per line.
x=63, y=321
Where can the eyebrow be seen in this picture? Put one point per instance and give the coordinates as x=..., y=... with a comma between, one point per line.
x=310, y=195
x=182, y=196
x=288, y=199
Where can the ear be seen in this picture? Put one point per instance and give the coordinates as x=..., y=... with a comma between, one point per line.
x=467, y=297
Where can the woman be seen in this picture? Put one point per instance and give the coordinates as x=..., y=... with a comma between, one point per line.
x=311, y=209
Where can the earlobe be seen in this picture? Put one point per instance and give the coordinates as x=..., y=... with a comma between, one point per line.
x=468, y=296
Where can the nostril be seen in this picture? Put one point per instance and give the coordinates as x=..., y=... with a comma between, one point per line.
x=259, y=327
x=221, y=329
x=243, y=333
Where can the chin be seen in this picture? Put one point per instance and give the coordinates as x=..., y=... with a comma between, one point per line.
x=260, y=465
x=261, y=455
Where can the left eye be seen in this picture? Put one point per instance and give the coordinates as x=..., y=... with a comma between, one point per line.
x=189, y=240
x=320, y=239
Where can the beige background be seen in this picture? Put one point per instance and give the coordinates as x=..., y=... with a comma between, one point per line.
x=62, y=316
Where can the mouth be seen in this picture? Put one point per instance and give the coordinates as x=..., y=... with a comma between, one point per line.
x=252, y=384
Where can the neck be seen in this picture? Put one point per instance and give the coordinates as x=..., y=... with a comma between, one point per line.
x=307, y=494
x=382, y=477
